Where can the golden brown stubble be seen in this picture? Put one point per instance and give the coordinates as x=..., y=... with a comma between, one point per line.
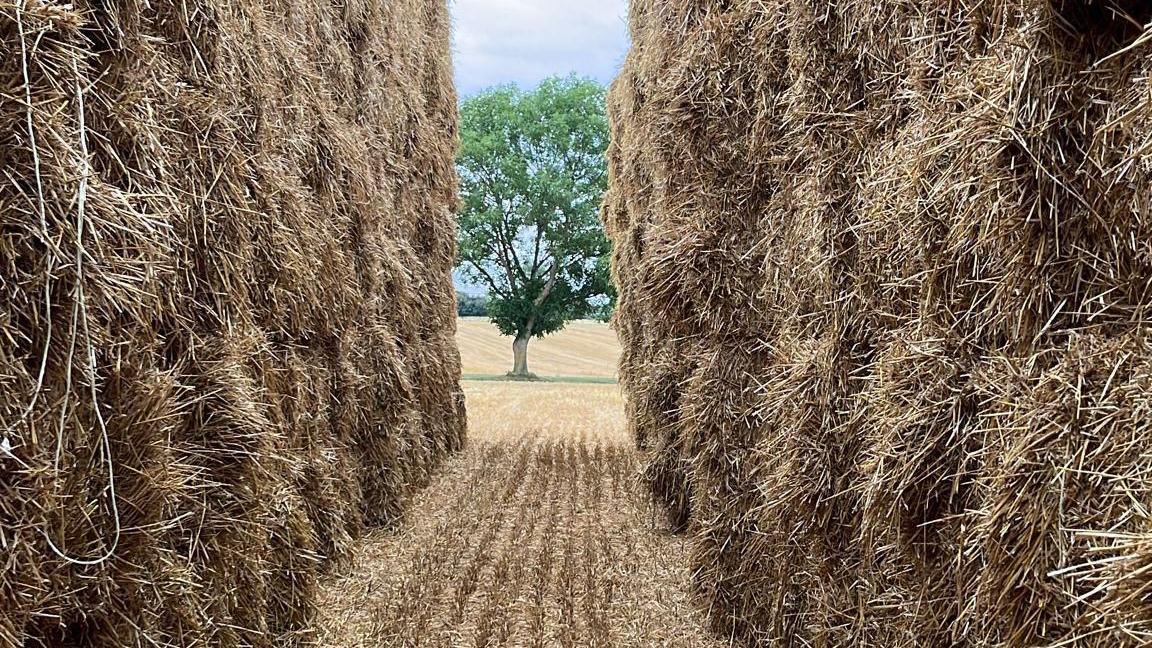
x=502, y=606
x=597, y=561
x=507, y=411
x=584, y=348
x=544, y=557
x=546, y=547
x=453, y=564
x=390, y=595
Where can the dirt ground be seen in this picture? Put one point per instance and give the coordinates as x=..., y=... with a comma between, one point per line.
x=536, y=535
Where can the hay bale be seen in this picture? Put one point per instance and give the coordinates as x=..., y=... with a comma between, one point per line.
x=1061, y=505
x=226, y=241
x=863, y=249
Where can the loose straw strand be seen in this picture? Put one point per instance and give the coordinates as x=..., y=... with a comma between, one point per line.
x=42, y=211
x=77, y=308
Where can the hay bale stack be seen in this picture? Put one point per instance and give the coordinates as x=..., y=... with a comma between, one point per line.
x=227, y=312
x=884, y=290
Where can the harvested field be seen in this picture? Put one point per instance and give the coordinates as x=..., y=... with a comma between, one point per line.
x=226, y=310
x=536, y=535
x=583, y=349
x=555, y=411
x=885, y=295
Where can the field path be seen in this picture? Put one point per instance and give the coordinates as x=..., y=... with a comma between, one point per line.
x=531, y=539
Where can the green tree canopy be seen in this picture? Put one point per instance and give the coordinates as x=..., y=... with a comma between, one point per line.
x=533, y=173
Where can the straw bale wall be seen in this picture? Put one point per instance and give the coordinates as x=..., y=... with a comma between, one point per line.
x=885, y=279
x=226, y=309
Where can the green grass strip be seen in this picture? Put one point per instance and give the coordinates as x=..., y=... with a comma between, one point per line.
x=588, y=380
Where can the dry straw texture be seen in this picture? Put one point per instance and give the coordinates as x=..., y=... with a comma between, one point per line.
x=885, y=283
x=225, y=307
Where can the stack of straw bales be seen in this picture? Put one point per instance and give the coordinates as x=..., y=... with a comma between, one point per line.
x=226, y=311
x=886, y=287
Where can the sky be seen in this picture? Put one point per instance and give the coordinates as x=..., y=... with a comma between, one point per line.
x=524, y=41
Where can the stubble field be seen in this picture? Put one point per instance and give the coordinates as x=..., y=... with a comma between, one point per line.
x=536, y=535
x=585, y=349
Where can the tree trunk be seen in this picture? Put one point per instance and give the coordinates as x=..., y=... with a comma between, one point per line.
x=520, y=356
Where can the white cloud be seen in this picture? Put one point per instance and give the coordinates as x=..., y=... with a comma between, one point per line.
x=524, y=41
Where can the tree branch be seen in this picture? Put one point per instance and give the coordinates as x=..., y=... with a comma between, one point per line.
x=492, y=285
x=506, y=255
x=515, y=257
x=552, y=275
x=536, y=250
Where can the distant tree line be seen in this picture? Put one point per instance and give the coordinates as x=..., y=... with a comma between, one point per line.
x=471, y=305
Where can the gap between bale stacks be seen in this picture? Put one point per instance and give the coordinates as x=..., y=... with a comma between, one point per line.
x=884, y=282
x=225, y=303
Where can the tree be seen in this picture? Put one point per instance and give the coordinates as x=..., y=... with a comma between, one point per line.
x=532, y=174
